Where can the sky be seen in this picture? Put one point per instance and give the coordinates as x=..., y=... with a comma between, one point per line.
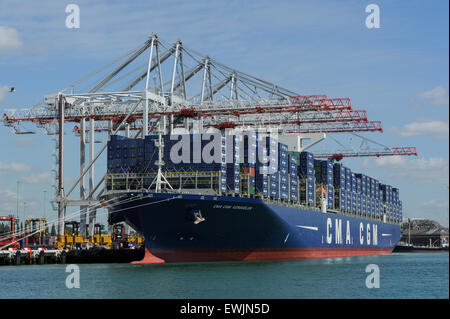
x=398, y=73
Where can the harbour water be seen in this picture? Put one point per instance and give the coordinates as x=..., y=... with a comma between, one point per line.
x=416, y=275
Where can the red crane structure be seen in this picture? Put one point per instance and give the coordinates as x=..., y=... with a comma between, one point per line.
x=394, y=151
x=9, y=239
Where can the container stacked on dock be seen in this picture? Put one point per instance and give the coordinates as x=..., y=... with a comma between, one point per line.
x=248, y=165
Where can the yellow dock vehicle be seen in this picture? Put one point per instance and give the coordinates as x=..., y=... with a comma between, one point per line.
x=71, y=238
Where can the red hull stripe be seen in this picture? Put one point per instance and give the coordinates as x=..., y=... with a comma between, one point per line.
x=199, y=255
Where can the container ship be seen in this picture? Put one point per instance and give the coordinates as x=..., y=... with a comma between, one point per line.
x=245, y=196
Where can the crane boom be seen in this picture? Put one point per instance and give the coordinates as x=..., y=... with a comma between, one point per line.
x=391, y=151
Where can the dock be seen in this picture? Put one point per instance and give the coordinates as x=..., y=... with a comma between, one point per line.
x=63, y=256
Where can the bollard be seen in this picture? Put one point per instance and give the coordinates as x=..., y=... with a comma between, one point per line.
x=17, y=261
x=41, y=258
x=63, y=257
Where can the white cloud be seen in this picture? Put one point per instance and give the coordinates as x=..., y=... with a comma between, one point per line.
x=7, y=197
x=436, y=204
x=9, y=169
x=9, y=201
x=438, y=129
x=40, y=178
x=200, y=24
x=9, y=39
x=435, y=210
x=9, y=204
x=437, y=96
x=433, y=170
x=5, y=193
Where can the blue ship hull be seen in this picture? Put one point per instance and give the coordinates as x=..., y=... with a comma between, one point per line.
x=235, y=228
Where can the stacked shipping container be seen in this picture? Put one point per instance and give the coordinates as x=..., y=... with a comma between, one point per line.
x=324, y=182
x=340, y=201
x=267, y=173
x=306, y=174
x=233, y=173
x=255, y=166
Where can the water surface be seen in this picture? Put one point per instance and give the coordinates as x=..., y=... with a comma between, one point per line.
x=402, y=275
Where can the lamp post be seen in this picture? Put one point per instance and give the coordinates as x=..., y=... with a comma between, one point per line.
x=24, y=211
x=45, y=217
x=17, y=211
x=45, y=193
